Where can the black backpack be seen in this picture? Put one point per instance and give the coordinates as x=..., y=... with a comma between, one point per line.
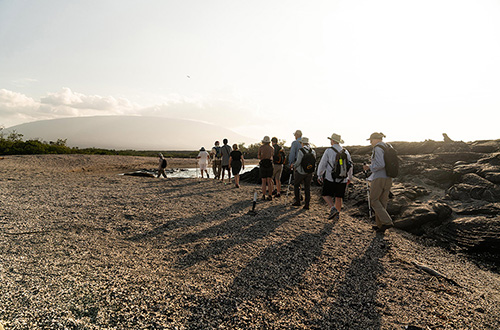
x=308, y=162
x=279, y=155
x=163, y=163
x=341, y=166
x=391, y=160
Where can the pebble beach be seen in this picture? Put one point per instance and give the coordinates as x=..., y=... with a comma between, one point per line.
x=82, y=247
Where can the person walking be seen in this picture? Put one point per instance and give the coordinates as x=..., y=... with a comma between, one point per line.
x=236, y=164
x=279, y=159
x=216, y=160
x=203, y=159
x=334, y=174
x=265, y=154
x=225, y=154
x=380, y=183
x=162, y=165
x=304, y=169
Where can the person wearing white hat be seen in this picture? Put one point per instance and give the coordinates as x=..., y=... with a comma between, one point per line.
x=265, y=154
x=334, y=173
x=161, y=166
x=203, y=158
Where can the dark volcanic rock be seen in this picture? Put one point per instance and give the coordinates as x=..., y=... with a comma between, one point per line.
x=477, y=235
x=415, y=217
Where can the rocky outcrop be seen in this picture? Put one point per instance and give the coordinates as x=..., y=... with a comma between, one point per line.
x=449, y=192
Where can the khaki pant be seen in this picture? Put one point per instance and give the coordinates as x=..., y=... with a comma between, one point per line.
x=217, y=168
x=379, y=197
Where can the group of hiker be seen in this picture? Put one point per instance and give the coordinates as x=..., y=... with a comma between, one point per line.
x=334, y=171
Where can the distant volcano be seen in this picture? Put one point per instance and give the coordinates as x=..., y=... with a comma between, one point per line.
x=129, y=132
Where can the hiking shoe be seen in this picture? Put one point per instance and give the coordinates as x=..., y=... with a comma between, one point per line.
x=278, y=195
x=263, y=197
x=269, y=198
x=334, y=213
x=306, y=207
x=383, y=228
x=296, y=204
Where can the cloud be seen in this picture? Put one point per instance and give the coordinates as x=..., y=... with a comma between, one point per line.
x=220, y=111
x=66, y=100
x=17, y=108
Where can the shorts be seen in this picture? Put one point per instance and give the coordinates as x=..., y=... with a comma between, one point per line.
x=277, y=170
x=236, y=168
x=266, y=168
x=203, y=166
x=333, y=189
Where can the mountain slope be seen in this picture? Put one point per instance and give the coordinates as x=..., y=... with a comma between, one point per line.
x=129, y=132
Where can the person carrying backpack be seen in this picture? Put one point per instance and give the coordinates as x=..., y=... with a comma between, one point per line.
x=279, y=159
x=225, y=154
x=162, y=164
x=380, y=182
x=334, y=173
x=304, y=168
x=216, y=160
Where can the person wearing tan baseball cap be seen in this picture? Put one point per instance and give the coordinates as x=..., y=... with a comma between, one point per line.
x=380, y=183
x=304, y=172
x=294, y=148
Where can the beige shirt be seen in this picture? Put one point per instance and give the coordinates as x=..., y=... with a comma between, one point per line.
x=266, y=151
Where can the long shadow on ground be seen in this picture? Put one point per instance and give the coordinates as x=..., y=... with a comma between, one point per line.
x=279, y=267
x=356, y=297
x=233, y=232
x=191, y=221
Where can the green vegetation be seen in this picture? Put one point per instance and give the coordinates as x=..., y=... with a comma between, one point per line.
x=13, y=144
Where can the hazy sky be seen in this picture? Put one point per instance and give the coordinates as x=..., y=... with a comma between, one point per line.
x=411, y=69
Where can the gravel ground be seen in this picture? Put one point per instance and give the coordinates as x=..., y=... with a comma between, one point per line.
x=82, y=247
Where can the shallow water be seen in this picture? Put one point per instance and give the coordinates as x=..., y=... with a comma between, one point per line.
x=193, y=172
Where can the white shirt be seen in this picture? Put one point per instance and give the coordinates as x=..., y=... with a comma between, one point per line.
x=328, y=160
x=203, y=156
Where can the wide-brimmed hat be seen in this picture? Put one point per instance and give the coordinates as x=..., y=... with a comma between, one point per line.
x=376, y=136
x=305, y=140
x=266, y=139
x=298, y=132
x=335, y=137
x=202, y=149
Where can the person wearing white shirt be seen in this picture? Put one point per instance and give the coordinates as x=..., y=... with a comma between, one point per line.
x=334, y=188
x=203, y=158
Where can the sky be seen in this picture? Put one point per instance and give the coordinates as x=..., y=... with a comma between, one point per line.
x=410, y=69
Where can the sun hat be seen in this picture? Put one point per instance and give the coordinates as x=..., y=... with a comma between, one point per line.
x=335, y=137
x=298, y=132
x=266, y=139
x=305, y=140
x=376, y=136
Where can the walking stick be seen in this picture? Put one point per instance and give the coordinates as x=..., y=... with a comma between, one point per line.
x=368, y=194
x=288, y=188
